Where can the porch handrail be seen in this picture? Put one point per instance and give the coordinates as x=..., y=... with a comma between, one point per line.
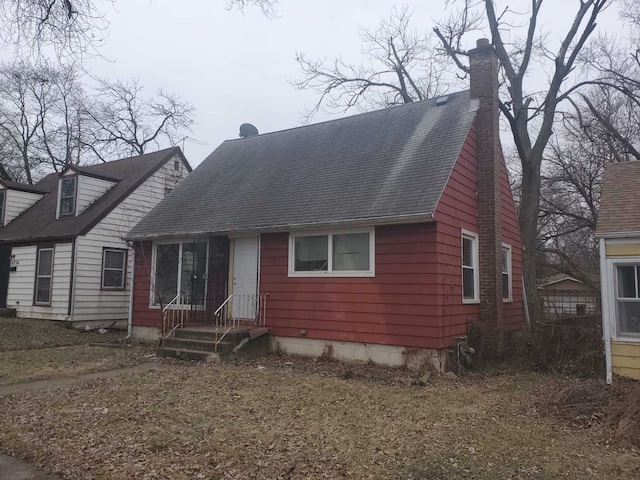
x=172, y=302
x=219, y=309
x=172, y=319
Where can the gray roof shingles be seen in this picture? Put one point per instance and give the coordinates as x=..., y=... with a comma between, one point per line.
x=620, y=199
x=39, y=222
x=385, y=164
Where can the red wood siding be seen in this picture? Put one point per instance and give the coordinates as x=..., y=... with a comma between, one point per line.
x=143, y=316
x=513, y=313
x=457, y=210
x=399, y=306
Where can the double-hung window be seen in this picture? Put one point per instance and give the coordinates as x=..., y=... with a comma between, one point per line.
x=114, y=261
x=506, y=273
x=3, y=195
x=628, y=299
x=67, y=196
x=337, y=254
x=180, y=271
x=44, y=276
x=470, y=268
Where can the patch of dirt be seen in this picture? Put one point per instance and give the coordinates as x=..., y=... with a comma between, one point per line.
x=25, y=334
x=23, y=366
x=281, y=418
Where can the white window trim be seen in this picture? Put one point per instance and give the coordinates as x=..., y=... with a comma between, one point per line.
x=3, y=208
x=152, y=293
x=476, y=266
x=329, y=273
x=123, y=269
x=614, y=311
x=38, y=276
x=75, y=196
x=508, y=299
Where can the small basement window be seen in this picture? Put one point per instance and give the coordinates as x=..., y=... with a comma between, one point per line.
x=470, y=268
x=337, y=254
x=114, y=268
x=68, y=196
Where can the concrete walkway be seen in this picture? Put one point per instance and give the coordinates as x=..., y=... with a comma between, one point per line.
x=14, y=469
x=57, y=382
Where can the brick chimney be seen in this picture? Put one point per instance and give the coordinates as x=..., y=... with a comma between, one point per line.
x=483, y=65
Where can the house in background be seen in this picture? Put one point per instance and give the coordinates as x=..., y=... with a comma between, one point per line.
x=379, y=236
x=618, y=231
x=564, y=296
x=62, y=251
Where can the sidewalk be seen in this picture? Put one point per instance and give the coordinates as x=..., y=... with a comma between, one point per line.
x=14, y=469
x=57, y=382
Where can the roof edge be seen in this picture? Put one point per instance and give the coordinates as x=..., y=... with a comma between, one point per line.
x=388, y=220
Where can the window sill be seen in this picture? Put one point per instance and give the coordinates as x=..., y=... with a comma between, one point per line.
x=626, y=339
x=467, y=301
x=507, y=300
x=112, y=289
x=361, y=274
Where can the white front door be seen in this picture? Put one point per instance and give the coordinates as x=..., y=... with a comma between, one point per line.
x=245, y=278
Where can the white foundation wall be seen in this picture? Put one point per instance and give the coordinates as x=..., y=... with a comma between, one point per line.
x=22, y=282
x=391, y=355
x=109, y=308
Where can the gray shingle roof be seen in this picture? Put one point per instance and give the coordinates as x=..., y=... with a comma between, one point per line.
x=620, y=199
x=39, y=222
x=387, y=164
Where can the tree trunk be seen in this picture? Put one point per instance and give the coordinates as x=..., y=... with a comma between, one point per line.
x=27, y=167
x=529, y=209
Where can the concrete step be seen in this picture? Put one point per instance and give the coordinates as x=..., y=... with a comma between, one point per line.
x=186, y=354
x=8, y=312
x=235, y=336
x=198, y=345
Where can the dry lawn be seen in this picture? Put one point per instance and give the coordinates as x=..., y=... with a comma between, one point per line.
x=25, y=334
x=292, y=420
x=23, y=366
x=36, y=350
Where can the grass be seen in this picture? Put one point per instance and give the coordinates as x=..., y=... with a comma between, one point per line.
x=298, y=419
x=29, y=365
x=37, y=350
x=26, y=334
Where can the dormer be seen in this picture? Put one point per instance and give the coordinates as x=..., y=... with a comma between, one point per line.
x=78, y=189
x=15, y=198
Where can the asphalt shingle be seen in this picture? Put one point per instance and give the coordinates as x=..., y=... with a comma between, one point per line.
x=385, y=164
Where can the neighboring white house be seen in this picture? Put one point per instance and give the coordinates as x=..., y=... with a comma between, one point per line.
x=63, y=237
x=618, y=233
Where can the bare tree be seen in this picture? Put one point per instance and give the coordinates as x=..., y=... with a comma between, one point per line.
x=71, y=27
x=531, y=113
x=124, y=122
x=400, y=67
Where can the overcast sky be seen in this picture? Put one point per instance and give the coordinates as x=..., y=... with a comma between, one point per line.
x=233, y=67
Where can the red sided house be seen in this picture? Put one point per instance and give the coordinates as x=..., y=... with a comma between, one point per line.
x=379, y=236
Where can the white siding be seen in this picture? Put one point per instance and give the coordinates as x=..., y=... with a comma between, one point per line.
x=90, y=302
x=21, y=283
x=89, y=190
x=17, y=202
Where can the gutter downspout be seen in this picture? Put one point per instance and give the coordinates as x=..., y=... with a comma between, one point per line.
x=131, y=287
x=604, y=292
